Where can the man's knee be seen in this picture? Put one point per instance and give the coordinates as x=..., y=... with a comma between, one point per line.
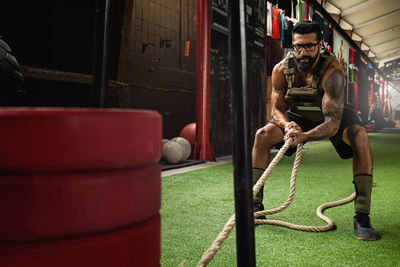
x=361, y=150
x=261, y=134
x=265, y=135
x=356, y=134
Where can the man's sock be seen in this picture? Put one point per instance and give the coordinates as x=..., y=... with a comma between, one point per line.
x=362, y=203
x=256, y=175
x=363, y=219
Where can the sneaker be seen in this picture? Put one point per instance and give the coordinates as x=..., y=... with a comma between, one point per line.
x=363, y=228
x=259, y=207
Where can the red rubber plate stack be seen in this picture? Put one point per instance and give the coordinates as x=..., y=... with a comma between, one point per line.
x=79, y=185
x=40, y=206
x=67, y=140
x=134, y=246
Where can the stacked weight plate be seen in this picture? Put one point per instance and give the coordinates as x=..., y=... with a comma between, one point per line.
x=79, y=187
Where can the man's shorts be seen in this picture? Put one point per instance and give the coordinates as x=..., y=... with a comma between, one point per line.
x=349, y=118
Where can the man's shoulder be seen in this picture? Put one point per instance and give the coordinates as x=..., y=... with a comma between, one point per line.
x=332, y=66
x=278, y=76
x=279, y=68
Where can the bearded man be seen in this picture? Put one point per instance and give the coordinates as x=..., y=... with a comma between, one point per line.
x=308, y=105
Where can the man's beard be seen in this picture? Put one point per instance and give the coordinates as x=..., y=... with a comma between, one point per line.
x=305, y=66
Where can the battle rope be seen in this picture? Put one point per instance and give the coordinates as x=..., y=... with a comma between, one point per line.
x=216, y=245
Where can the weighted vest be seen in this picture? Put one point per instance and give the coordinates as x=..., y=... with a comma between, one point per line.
x=306, y=101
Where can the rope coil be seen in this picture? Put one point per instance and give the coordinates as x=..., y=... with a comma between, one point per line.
x=216, y=245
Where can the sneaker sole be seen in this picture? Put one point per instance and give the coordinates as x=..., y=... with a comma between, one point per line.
x=367, y=239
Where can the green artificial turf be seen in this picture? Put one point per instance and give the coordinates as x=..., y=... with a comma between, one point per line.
x=196, y=205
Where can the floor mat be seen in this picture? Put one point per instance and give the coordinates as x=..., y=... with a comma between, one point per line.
x=184, y=163
x=389, y=130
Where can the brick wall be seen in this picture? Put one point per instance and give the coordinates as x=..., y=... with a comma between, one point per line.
x=161, y=60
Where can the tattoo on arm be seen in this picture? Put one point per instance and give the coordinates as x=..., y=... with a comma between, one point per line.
x=334, y=88
x=332, y=107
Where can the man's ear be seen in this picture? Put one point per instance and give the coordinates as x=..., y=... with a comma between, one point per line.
x=321, y=43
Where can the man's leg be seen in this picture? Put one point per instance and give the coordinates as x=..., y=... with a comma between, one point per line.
x=356, y=136
x=265, y=138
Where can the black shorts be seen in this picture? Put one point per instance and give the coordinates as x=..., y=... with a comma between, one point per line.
x=349, y=118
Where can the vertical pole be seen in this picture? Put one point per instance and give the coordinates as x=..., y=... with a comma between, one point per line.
x=240, y=134
x=266, y=47
x=203, y=26
x=101, y=44
x=382, y=94
x=372, y=93
x=387, y=110
x=355, y=92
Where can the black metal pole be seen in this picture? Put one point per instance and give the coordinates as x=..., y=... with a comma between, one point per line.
x=241, y=149
x=101, y=45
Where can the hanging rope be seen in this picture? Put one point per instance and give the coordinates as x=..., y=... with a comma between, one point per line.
x=216, y=245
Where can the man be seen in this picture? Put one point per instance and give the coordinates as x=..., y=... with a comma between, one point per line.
x=308, y=105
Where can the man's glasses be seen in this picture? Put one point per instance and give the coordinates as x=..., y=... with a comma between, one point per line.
x=308, y=47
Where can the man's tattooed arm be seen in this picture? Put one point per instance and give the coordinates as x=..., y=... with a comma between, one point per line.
x=332, y=107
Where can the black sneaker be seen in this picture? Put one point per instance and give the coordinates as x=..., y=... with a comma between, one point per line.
x=363, y=228
x=259, y=207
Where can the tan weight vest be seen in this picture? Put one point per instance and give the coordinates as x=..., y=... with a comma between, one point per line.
x=306, y=101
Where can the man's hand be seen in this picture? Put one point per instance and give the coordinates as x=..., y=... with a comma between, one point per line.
x=290, y=126
x=296, y=133
x=293, y=130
